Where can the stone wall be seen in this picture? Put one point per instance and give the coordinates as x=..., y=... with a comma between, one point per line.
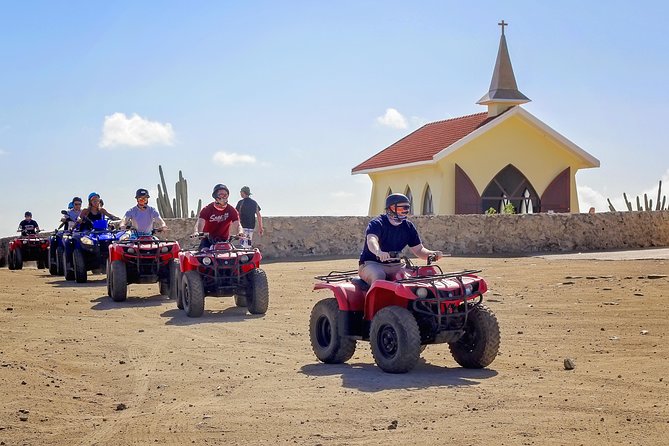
x=293, y=237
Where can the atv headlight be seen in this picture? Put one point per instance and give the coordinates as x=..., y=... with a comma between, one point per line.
x=206, y=261
x=131, y=250
x=87, y=241
x=244, y=258
x=25, y=241
x=165, y=249
x=468, y=289
x=421, y=292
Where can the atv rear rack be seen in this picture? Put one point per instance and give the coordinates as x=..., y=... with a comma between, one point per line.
x=338, y=276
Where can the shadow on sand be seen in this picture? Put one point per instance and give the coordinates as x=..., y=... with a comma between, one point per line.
x=106, y=303
x=231, y=314
x=369, y=378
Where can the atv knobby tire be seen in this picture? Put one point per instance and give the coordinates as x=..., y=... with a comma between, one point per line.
x=59, y=261
x=328, y=345
x=479, y=346
x=18, y=259
x=53, y=260
x=175, y=284
x=165, y=284
x=240, y=300
x=10, y=260
x=192, y=294
x=395, y=339
x=68, y=269
x=257, y=293
x=118, y=281
x=80, y=272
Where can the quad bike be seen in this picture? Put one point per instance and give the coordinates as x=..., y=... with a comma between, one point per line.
x=221, y=270
x=422, y=306
x=26, y=248
x=57, y=248
x=88, y=250
x=140, y=259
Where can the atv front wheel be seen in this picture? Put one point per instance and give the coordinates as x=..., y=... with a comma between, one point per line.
x=117, y=281
x=479, y=346
x=18, y=259
x=80, y=273
x=257, y=293
x=328, y=345
x=192, y=294
x=10, y=260
x=395, y=340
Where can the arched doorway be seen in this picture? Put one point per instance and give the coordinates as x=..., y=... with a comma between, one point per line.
x=510, y=186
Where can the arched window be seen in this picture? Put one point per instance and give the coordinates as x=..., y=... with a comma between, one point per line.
x=428, y=209
x=409, y=195
x=510, y=186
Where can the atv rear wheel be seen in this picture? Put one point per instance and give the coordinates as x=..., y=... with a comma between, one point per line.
x=165, y=284
x=395, y=340
x=118, y=281
x=175, y=284
x=68, y=268
x=52, y=260
x=59, y=261
x=328, y=345
x=80, y=273
x=192, y=294
x=10, y=260
x=479, y=346
x=257, y=293
x=240, y=300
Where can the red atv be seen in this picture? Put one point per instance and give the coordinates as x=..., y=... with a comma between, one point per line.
x=399, y=318
x=221, y=270
x=26, y=248
x=140, y=259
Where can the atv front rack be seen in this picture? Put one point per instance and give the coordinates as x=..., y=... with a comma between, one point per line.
x=436, y=277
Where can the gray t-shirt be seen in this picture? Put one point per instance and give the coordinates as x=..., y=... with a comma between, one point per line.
x=142, y=219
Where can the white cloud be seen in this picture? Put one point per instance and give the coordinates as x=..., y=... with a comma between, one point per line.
x=589, y=197
x=232, y=159
x=119, y=130
x=393, y=119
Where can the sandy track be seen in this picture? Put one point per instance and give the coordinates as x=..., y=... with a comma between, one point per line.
x=69, y=356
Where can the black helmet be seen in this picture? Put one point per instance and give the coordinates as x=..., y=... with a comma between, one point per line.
x=142, y=193
x=218, y=187
x=396, y=199
x=28, y=214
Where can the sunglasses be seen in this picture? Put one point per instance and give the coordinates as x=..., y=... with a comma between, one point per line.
x=222, y=196
x=77, y=204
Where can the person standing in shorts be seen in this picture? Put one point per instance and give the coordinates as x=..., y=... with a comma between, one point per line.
x=248, y=210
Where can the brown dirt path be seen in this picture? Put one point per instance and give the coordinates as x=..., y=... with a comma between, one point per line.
x=70, y=356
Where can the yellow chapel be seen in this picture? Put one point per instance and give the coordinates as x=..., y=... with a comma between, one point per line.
x=470, y=164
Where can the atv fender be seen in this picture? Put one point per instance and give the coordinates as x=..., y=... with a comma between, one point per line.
x=348, y=296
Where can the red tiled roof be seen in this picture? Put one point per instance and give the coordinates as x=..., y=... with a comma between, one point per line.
x=424, y=143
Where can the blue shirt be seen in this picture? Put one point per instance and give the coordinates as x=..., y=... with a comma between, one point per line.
x=391, y=237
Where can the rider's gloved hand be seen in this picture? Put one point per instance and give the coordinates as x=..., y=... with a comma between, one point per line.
x=383, y=256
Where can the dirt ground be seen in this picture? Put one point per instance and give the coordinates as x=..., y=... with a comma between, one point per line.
x=79, y=369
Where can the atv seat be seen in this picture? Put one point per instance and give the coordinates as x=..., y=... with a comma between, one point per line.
x=360, y=284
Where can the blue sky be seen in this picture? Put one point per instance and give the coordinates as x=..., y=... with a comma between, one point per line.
x=286, y=97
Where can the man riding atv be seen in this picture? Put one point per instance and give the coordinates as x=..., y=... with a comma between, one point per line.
x=390, y=232
x=217, y=218
x=143, y=217
x=28, y=226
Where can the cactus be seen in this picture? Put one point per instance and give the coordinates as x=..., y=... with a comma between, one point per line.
x=660, y=203
x=177, y=207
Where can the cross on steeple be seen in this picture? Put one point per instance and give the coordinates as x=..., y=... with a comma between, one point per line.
x=503, y=24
